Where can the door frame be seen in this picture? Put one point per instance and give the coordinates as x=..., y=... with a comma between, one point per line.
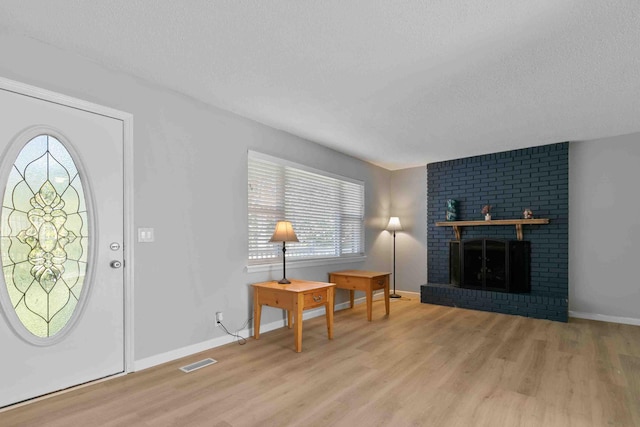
x=129, y=234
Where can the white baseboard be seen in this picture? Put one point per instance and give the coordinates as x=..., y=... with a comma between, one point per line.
x=605, y=318
x=398, y=291
x=169, y=356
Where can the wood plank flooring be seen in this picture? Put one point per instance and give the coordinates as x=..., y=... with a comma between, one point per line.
x=425, y=365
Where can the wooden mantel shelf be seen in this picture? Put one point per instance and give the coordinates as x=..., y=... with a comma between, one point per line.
x=457, y=225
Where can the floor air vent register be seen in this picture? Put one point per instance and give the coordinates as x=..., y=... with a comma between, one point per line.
x=197, y=365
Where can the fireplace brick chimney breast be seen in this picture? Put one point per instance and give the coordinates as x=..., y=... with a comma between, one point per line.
x=535, y=178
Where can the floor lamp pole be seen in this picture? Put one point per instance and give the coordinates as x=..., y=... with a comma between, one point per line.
x=394, y=295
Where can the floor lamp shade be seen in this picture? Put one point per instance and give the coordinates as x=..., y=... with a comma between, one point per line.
x=284, y=233
x=394, y=225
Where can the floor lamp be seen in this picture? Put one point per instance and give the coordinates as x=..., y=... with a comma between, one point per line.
x=284, y=233
x=394, y=225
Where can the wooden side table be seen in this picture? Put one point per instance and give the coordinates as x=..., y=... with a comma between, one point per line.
x=360, y=280
x=295, y=297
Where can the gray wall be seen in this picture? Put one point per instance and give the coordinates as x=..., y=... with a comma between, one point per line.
x=409, y=203
x=604, y=226
x=191, y=186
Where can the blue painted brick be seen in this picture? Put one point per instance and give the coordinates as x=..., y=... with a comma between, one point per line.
x=534, y=177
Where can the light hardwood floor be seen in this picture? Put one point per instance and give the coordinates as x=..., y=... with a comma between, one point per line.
x=425, y=365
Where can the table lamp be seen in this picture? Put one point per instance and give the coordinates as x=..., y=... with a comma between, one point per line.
x=284, y=233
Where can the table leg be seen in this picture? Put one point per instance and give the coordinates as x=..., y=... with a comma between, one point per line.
x=289, y=319
x=298, y=322
x=369, y=292
x=257, y=311
x=329, y=312
x=386, y=296
x=351, y=295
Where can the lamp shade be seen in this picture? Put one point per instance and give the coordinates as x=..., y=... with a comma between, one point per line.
x=284, y=233
x=394, y=224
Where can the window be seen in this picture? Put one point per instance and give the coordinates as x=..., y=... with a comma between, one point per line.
x=44, y=236
x=326, y=211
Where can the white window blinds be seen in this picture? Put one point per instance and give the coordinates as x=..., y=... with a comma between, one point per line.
x=326, y=211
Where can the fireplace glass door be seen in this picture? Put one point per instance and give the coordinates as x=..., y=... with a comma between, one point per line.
x=490, y=264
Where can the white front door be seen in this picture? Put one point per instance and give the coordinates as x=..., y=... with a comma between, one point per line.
x=62, y=300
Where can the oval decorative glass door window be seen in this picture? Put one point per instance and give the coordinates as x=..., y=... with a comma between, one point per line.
x=44, y=236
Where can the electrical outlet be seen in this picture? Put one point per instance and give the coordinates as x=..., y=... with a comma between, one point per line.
x=218, y=318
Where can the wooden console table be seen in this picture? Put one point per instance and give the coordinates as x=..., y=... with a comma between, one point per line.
x=457, y=225
x=295, y=297
x=367, y=281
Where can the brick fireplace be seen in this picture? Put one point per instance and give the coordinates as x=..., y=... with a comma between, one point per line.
x=535, y=178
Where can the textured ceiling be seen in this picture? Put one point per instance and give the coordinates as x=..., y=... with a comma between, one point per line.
x=397, y=83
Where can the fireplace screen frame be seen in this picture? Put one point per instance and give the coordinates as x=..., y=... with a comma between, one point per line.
x=491, y=264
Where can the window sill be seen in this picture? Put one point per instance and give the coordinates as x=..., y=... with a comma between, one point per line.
x=292, y=265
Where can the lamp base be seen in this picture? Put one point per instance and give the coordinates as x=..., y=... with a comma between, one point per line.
x=395, y=296
x=284, y=281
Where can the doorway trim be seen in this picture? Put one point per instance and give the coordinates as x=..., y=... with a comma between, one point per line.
x=128, y=232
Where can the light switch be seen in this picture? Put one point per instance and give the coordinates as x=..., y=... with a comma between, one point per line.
x=145, y=235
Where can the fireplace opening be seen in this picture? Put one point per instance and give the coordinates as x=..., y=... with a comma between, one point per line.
x=490, y=264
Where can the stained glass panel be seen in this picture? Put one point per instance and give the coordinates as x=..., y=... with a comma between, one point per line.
x=44, y=236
